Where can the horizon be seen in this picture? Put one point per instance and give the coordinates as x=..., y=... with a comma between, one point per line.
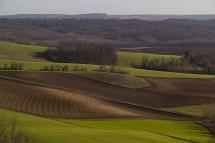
x=115, y=14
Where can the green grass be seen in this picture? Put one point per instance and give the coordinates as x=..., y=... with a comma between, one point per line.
x=197, y=110
x=15, y=51
x=135, y=58
x=45, y=130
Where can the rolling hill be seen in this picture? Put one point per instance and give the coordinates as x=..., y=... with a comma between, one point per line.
x=50, y=102
x=45, y=130
x=115, y=32
x=87, y=103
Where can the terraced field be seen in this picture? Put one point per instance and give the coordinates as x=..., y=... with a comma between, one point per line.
x=112, y=131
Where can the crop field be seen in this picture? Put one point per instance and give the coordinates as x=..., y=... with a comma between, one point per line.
x=161, y=93
x=54, y=100
x=55, y=103
x=94, y=131
x=135, y=58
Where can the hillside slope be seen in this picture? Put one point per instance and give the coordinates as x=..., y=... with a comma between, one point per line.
x=161, y=92
x=44, y=130
x=55, y=103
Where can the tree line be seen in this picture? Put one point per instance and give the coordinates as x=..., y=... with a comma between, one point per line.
x=162, y=63
x=189, y=62
x=82, y=52
x=12, y=66
x=204, y=61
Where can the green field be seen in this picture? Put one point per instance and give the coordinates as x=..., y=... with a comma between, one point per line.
x=15, y=51
x=134, y=58
x=45, y=130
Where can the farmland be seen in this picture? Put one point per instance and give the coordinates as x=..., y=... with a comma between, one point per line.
x=116, y=79
x=89, y=102
x=128, y=131
x=31, y=62
x=158, y=93
x=54, y=103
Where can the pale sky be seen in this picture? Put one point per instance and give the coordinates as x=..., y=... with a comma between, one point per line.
x=107, y=6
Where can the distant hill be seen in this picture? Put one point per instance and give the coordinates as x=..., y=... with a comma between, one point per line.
x=55, y=16
x=107, y=16
x=52, y=30
x=164, y=17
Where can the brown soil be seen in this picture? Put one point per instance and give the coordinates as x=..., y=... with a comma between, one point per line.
x=56, y=103
x=162, y=93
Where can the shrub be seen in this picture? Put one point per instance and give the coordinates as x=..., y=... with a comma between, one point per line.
x=55, y=68
x=12, y=66
x=79, y=68
x=102, y=68
x=115, y=69
x=65, y=68
x=111, y=69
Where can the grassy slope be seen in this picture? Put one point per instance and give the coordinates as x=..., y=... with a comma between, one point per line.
x=198, y=110
x=129, y=58
x=10, y=53
x=19, y=51
x=111, y=131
